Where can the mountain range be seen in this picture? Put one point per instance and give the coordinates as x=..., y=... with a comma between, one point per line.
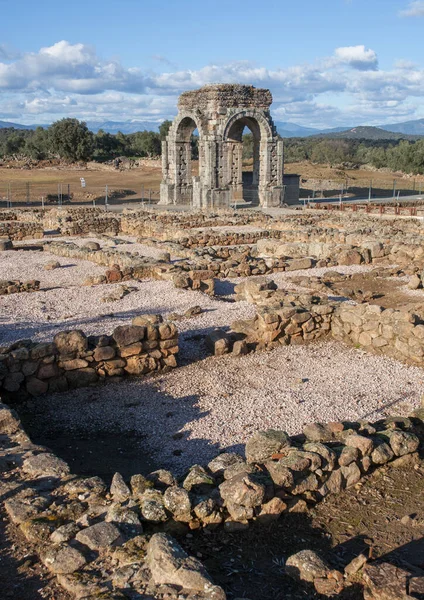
x=391, y=131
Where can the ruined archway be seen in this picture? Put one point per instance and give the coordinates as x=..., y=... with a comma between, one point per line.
x=220, y=113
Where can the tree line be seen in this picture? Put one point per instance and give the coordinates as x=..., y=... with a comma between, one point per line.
x=402, y=155
x=71, y=140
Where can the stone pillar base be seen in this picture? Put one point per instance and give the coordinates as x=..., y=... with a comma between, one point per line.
x=271, y=198
x=167, y=193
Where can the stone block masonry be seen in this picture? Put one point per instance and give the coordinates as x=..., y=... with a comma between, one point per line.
x=395, y=333
x=73, y=360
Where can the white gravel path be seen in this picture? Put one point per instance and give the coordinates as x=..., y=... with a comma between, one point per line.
x=39, y=315
x=28, y=264
x=221, y=401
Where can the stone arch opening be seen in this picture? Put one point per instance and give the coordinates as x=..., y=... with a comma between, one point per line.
x=245, y=170
x=188, y=144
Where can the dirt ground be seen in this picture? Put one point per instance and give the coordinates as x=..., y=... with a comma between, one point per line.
x=128, y=185
x=388, y=292
x=382, y=517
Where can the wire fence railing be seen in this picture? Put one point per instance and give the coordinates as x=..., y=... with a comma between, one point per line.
x=45, y=194
x=374, y=188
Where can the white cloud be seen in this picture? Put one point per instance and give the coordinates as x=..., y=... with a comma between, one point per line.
x=357, y=57
x=414, y=9
x=72, y=80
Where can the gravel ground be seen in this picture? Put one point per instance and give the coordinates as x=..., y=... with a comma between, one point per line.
x=68, y=305
x=219, y=402
x=65, y=303
x=27, y=264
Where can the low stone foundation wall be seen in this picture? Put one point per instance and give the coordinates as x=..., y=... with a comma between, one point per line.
x=16, y=286
x=395, y=333
x=132, y=264
x=73, y=360
x=283, y=318
x=19, y=230
x=103, y=541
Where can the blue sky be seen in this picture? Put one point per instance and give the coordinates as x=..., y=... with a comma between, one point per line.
x=327, y=63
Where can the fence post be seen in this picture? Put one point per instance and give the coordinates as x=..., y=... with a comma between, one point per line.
x=106, y=198
x=394, y=188
x=150, y=197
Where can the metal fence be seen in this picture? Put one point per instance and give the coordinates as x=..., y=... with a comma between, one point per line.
x=45, y=194
x=365, y=190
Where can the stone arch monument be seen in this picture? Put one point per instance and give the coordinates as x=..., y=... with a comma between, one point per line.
x=220, y=113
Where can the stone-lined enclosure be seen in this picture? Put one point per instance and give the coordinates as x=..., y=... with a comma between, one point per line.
x=220, y=113
x=109, y=542
x=96, y=537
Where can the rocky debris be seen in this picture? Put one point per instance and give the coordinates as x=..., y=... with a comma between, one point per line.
x=119, y=489
x=119, y=292
x=45, y=465
x=200, y=280
x=15, y=286
x=98, y=536
x=385, y=581
x=53, y=264
x=63, y=559
x=170, y=564
x=264, y=444
x=306, y=565
x=92, y=246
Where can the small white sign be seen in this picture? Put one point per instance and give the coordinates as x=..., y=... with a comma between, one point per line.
x=82, y=182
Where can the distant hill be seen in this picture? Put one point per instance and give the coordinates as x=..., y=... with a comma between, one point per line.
x=410, y=130
x=410, y=127
x=286, y=129
x=123, y=126
x=368, y=133
x=4, y=124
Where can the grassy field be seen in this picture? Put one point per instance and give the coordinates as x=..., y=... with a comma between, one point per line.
x=30, y=185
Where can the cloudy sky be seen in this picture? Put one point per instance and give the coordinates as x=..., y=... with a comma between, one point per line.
x=327, y=62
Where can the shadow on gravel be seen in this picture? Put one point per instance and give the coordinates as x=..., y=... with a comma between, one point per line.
x=130, y=429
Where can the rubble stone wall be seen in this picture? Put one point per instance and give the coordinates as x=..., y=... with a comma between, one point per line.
x=18, y=230
x=93, y=536
x=74, y=360
x=395, y=333
x=16, y=286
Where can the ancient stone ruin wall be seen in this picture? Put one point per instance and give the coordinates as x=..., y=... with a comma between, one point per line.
x=89, y=534
x=18, y=230
x=103, y=224
x=283, y=318
x=74, y=360
x=220, y=113
x=394, y=333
